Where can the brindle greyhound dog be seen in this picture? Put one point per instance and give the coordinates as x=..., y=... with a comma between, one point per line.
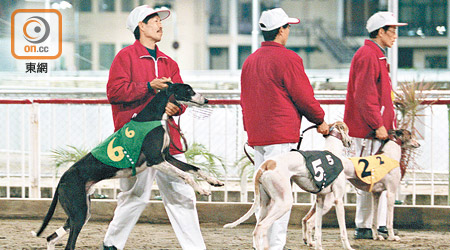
x=73, y=188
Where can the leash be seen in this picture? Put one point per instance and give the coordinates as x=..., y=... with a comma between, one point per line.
x=301, y=135
x=172, y=124
x=247, y=154
x=335, y=133
x=371, y=134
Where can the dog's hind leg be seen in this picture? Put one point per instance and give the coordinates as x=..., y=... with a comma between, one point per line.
x=281, y=201
x=73, y=200
x=57, y=235
x=307, y=226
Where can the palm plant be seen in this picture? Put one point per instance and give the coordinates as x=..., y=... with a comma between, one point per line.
x=410, y=103
x=246, y=169
x=199, y=155
x=65, y=156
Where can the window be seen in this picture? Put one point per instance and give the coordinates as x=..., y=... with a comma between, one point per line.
x=356, y=13
x=106, y=6
x=218, y=58
x=244, y=52
x=85, y=5
x=85, y=56
x=245, y=14
x=245, y=18
x=107, y=53
x=127, y=5
x=218, y=17
x=405, y=57
x=424, y=18
x=436, y=62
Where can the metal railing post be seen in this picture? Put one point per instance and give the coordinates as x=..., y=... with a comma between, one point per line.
x=35, y=148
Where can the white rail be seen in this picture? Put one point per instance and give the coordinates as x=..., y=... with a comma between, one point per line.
x=32, y=129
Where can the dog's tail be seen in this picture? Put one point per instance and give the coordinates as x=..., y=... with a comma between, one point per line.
x=254, y=205
x=49, y=215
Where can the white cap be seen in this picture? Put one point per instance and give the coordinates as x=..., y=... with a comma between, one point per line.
x=139, y=13
x=381, y=19
x=275, y=18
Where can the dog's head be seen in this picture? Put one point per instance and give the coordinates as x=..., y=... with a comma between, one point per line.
x=406, y=138
x=340, y=130
x=184, y=94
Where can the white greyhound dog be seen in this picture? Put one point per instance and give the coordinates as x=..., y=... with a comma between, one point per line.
x=398, y=140
x=275, y=176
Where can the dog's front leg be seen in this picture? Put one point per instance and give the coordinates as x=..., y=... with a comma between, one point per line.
x=173, y=171
x=390, y=215
x=340, y=214
x=319, y=213
x=375, y=203
x=210, y=179
x=193, y=170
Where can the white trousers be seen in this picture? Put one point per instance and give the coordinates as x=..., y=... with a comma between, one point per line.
x=179, y=201
x=278, y=232
x=363, y=216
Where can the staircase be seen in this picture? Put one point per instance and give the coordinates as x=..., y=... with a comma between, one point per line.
x=341, y=50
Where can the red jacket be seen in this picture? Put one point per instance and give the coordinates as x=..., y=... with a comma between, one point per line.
x=127, y=90
x=368, y=105
x=275, y=94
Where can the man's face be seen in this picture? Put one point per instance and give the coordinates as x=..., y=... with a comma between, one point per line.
x=389, y=36
x=153, y=29
x=285, y=34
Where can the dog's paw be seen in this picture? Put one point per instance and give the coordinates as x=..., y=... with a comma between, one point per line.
x=378, y=237
x=394, y=238
x=217, y=183
x=203, y=192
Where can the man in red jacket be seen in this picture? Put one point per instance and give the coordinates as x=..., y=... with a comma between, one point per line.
x=369, y=107
x=275, y=94
x=137, y=73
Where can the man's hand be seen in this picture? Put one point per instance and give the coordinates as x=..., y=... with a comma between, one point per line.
x=172, y=109
x=323, y=128
x=381, y=133
x=160, y=83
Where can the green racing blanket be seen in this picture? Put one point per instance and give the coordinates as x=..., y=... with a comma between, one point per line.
x=122, y=149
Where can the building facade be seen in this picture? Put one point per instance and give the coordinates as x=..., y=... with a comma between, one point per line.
x=217, y=34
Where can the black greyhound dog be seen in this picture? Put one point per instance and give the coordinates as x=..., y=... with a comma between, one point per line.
x=73, y=188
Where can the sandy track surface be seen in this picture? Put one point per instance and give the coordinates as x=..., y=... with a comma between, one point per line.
x=15, y=235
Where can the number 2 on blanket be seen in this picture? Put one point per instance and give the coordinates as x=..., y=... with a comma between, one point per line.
x=364, y=172
x=318, y=170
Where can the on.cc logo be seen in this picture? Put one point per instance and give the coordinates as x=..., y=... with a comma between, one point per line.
x=36, y=29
